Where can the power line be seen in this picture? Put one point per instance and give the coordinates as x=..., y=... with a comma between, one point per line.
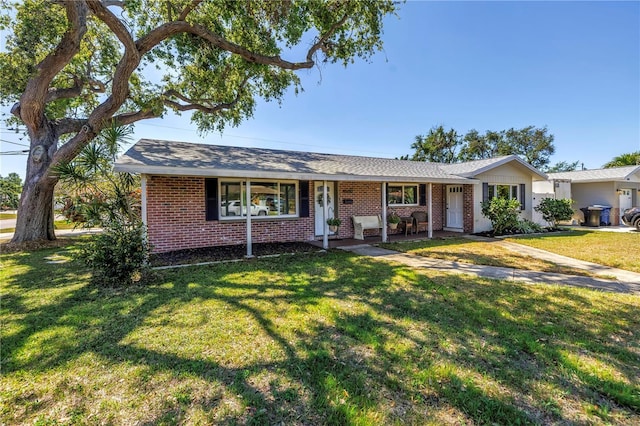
x=25, y=152
x=15, y=143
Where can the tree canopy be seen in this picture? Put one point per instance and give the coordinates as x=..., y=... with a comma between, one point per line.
x=532, y=144
x=563, y=166
x=72, y=68
x=628, y=159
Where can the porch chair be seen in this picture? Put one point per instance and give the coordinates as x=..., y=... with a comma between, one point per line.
x=420, y=219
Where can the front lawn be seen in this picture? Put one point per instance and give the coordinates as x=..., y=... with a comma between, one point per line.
x=615, y=249
x=459, y=249
x=327, y=338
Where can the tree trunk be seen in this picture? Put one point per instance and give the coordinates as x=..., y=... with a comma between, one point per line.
x=35, y=211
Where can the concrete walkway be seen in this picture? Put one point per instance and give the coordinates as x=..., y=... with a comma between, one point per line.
x=628, y=282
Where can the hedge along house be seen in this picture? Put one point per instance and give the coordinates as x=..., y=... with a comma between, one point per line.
x=196, y=195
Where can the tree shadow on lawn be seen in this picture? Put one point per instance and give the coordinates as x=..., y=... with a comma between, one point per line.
x=334, y=339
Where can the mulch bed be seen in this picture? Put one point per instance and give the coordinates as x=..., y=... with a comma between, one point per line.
x=222, y=253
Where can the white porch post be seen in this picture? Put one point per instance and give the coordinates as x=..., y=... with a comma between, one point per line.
x=384, y=212
x=143, y=201
x=430, y=207
x=143, y=210
x=325, y=215
x=248, y=214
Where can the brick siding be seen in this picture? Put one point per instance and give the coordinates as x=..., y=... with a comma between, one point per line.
x=176, y=215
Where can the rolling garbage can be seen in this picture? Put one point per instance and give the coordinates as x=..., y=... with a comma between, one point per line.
x=594, y=216
x=605, y=214
x=591, y=216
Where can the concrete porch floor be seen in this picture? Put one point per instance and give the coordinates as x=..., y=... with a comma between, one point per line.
x=376, y=239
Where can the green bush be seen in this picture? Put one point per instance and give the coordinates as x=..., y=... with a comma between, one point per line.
x=503, y=214
x=553, y=210
x=525, y=226
x=118, y=256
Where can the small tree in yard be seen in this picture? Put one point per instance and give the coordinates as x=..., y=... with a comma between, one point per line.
x=118, y=255
x=503, y=214
x=554, y=210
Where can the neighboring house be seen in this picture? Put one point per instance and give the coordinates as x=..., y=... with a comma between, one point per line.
x=194, y=195
x=617, y=187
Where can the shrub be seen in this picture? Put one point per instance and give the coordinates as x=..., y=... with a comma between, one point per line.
x=553, y=210
x=118, y=256
x=503, y=214
x=525, y=226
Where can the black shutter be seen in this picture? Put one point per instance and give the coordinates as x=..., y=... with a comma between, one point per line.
x=211, y=198
x=386, y=191
x=522, y=197
x=485, y=191
x=303, y=195
x=422, y=190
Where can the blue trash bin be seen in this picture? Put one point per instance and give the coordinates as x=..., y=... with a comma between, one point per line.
x=604, y=214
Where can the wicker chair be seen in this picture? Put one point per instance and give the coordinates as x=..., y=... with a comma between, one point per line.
x=420, y=219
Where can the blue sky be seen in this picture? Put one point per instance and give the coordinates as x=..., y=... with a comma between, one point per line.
x=571, y=66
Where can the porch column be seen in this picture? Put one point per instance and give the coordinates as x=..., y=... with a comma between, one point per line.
x=143, y=210
x=325, y=215
x=430, y=204
x=143, y=200
x=248, y=206
x=384, y=212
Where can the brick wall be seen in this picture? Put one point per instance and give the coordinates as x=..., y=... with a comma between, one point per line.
x=176, y=215
x=176, y=219
x=467, y=206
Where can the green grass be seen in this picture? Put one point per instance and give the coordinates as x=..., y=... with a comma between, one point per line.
x=324, y=339
x=615, y=249
x=459, y=249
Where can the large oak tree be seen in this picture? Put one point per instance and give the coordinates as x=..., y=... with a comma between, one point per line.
x=72, y=68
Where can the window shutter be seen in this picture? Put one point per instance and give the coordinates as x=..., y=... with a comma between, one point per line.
x=422, y=189
x=211, y=198
x=303, y=195
x=386, y=202
x=485, y=191
x=522, y=197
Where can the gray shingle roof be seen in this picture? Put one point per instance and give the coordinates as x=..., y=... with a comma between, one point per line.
x=471, y=169
x=600, y=175
x=181, y=158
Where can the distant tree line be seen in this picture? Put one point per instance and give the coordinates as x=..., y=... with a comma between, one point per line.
x=534, y=145
x=10, y=189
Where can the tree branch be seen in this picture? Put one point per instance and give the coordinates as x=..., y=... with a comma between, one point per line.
x=132, y=117
x=194, y=105
x=36, y=92
x=157, y=35
x=320, y=44
x=114, y=24
x=70, y=125
x=187, y=10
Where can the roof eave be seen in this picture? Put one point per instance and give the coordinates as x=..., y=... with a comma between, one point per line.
x=229, y=173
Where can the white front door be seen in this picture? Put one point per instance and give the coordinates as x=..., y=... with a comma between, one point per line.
x=331, y=202
x=625, y=199
x=454, y=206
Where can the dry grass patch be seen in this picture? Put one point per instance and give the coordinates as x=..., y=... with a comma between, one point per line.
x=458, y=249
x=615, y=249
x=313, y=339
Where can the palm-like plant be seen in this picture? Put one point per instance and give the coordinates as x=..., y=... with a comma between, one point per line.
x=628, y=159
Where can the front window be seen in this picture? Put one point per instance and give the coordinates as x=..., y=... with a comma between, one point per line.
x=268, y=199
x=402, y=195
x=503, y=191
